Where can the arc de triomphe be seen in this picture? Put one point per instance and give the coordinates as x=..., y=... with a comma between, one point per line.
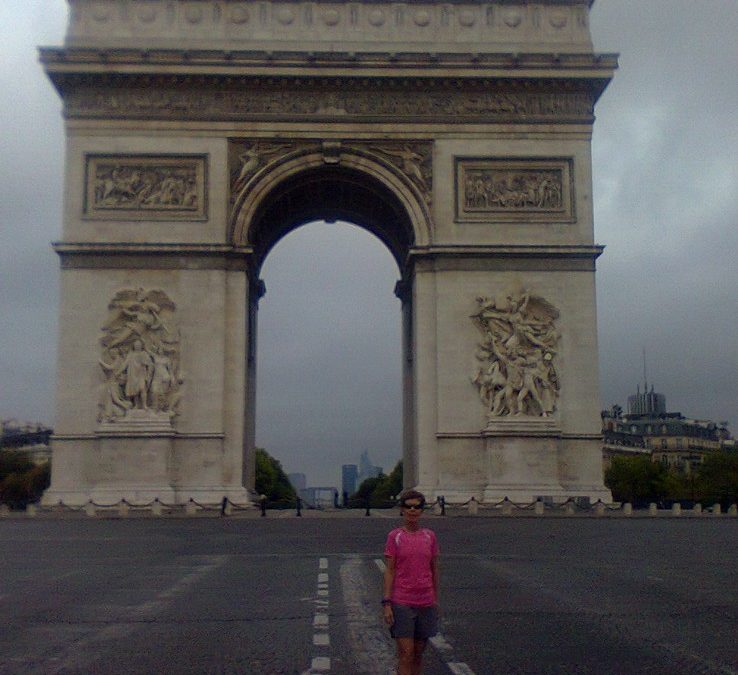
x=199, y=132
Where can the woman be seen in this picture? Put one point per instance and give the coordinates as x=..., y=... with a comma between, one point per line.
x=411, y=584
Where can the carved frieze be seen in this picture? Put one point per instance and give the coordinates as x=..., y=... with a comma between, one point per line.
x=517, y=374
x=331, y=100
x=146, y=187
x=526, y=190
x=140, y=359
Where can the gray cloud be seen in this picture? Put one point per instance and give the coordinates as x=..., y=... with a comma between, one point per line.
x=666, y=206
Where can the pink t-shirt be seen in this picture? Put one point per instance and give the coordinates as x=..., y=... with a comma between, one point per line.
x=413, y=552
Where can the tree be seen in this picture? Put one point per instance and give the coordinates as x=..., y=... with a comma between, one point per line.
x=21, y=481
x=391, y=485
x=635, y=479
x=271, y=480
x=380, y=489
x=717, y=478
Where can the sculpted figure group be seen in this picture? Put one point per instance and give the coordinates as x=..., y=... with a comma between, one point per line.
x=142, y=187
x=517, y=375
x=513, y=190
x=140, y=356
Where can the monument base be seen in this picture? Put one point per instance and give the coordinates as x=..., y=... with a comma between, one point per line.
x=140, y=467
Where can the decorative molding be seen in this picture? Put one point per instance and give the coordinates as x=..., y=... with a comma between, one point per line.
x=514, y=190
x=411, y=158
x=140, y=362
x=409, y=100
x=214, y=22
x=517, y=377
x=146, y=187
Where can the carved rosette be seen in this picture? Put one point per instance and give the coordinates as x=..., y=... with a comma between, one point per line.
x=140, y=361
x=516, y=376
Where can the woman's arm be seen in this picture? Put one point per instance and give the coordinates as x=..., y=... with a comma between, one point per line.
x=388, y=581
x=434, y=572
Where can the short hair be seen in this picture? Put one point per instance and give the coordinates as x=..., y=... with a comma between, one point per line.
x=411, y=494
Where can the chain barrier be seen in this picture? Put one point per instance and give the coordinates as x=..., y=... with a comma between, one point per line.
x=570, y=506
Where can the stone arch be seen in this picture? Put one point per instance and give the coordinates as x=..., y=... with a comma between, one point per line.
x=309, y=185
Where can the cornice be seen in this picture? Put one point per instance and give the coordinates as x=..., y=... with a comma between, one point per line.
x=125, y=255
x=579, y=251
x=212, y=61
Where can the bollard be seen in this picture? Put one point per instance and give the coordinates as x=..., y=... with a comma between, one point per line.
x=676, y=509
x=599, y=508
x=697, y=509
x=733, y=510
x=653, y=510
x=90, y=509
x=507, y=507
x=191, y=507
x=4, y=510
x=569, y=508
x=473, y=507
x=31, y=510
x=123, y=508
x=156, y=508
x=716, y=510
x=627, y=509
x=539, y=507
x=442, y=501
x=263, y=505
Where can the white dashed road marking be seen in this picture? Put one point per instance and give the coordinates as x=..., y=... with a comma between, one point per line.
x=321, y=660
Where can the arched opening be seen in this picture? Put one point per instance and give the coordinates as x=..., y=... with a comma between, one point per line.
x=375, y=200
x=331, y=193
x=329, y=383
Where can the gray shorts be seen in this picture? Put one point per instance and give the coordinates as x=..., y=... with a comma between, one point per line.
x=419, y=623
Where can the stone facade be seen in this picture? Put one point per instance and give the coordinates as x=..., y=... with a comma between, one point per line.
x=200, y=132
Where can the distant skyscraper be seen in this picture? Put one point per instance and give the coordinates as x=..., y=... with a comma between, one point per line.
x=647, y=403
x=297, y=480
x=349, y=478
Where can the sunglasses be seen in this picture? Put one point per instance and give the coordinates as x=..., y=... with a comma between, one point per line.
x=413, y=507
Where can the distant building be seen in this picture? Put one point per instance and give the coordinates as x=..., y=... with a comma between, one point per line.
x=30, y=438
x=667, y=437
x=366, y=468
x=349, y=478
x=319, y=497
x=297, y=481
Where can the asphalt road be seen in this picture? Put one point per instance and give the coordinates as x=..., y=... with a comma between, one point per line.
x=287, y=595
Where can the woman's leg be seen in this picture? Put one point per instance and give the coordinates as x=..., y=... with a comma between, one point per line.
x=405, y=656
x=419, y=648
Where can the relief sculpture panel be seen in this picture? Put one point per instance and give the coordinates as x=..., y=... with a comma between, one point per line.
x=503, y=190
x=517, y=374
x=140, y=360
x=165, y=187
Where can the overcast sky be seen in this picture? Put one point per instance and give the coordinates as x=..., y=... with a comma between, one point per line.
x=666, y=206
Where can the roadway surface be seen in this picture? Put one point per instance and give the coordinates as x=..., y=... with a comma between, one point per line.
x=287, y=595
